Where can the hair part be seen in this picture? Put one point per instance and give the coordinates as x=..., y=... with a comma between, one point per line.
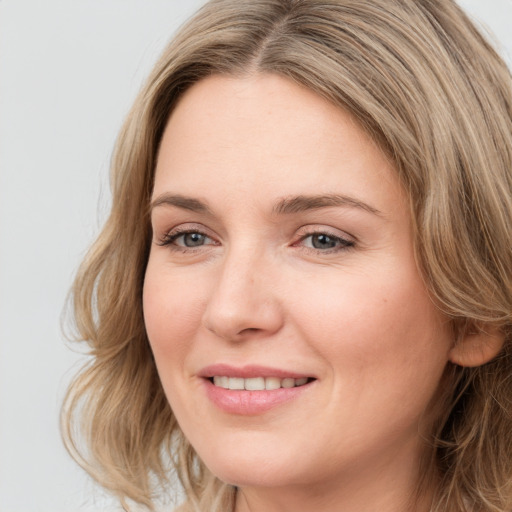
x=436, y=97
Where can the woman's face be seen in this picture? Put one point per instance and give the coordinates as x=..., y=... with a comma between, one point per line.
x=282, y=256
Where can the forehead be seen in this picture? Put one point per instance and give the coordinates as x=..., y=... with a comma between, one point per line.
x=265, y=133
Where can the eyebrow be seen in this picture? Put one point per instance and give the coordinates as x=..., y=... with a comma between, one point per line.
x=288, y=205
x=303, y=203
x=184, y=202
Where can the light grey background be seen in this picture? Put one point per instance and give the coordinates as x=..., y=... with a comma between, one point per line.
x=69, y=70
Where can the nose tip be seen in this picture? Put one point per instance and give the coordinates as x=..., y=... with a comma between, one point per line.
x=242, y=305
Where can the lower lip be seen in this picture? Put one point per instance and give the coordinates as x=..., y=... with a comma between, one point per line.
x=249, y=403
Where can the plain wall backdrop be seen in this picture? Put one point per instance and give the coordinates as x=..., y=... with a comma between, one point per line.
x=69, y=70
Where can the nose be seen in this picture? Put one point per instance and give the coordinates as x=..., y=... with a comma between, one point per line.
x=243, y=302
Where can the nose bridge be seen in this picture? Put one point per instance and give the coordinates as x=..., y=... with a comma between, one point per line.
x=243, y=297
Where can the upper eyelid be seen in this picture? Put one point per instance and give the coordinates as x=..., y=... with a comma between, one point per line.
x=331, y=231
x=164, y=236
x=186, y=227
x=178, y=231
x=169, y=241
x=301, y=232
x=345, y=242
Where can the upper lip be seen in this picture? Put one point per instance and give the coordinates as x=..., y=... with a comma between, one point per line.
x=248, y=371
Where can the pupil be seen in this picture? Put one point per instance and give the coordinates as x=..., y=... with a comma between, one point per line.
x=323, y=242
x=193, y=239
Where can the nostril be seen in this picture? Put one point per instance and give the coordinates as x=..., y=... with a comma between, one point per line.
x=249, y=330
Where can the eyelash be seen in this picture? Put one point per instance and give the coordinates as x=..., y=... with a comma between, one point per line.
x=342, y=244
x=169, y=239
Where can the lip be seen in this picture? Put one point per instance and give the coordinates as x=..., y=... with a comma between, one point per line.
x=248, y=371
x=250, y=403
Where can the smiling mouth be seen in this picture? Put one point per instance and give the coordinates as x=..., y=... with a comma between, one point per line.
x=258, y=383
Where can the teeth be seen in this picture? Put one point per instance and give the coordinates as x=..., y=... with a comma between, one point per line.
x=222, y=382
x=257, y=383
x=236, y=383
x=272, y=383
x=288, y=383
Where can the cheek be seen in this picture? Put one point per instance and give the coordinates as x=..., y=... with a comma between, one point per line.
x=378, y=325
x=386, y=347
x=172, y=313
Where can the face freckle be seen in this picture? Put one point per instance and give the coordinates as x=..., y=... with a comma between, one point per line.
x=327, y=290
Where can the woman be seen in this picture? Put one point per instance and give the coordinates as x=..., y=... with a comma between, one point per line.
x=302, y=297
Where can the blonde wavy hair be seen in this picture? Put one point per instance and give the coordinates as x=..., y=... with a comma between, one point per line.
x=428, y=87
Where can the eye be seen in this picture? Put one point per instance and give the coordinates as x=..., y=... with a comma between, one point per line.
x=325, y=242
x=186, y=239
x=191, y=239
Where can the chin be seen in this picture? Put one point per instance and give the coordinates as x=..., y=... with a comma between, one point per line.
x=256, y=463
x=251, y=474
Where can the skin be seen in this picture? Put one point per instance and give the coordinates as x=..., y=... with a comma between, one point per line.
x=260, y=288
